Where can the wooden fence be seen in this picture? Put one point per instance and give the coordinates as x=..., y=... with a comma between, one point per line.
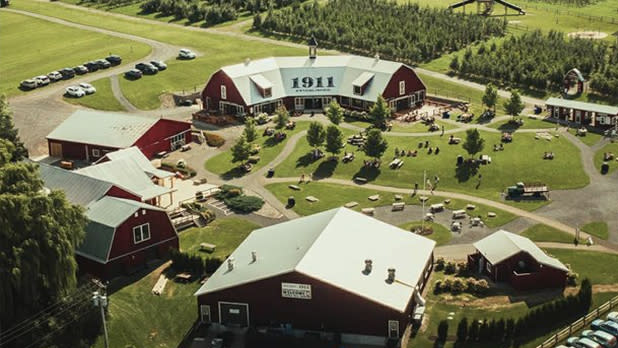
x=591, y=18
x=579, y=324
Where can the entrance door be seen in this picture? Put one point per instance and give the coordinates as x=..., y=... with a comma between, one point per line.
x=393, y=329
x=55, y=150
x=205, y=313
x=403, y=104
x=234, y=314
x=313, y=103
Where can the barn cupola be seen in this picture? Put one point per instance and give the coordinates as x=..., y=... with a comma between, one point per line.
x=368, y=267
x=313, y=47
x=391, y=276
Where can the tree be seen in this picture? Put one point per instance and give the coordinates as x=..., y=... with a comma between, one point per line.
x=514, y=105
x=315, y=134
x=442, y=331
x=250, y=132
x=490, y=98
x=462, y=330
x=282, y=116
x=473, y=331
x=375, y=145
x=257, y=21
x=8, y=131
x=241, y=150
x=474, y=143
x=334, y=140
x=334, y=112
x=379, y=112
x=454, y=65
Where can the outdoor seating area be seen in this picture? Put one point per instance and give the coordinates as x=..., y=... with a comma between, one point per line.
x=454, y=140
x=372, y=163
x=357, y=140
x=499, y=147
x=507, y=137
x=548, y=155
x=396, y=163
x=348, y=157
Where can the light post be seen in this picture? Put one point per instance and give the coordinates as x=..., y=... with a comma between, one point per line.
x=100, y=300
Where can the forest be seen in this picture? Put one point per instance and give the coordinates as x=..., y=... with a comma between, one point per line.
x=407, y=32
x=577, y=3
x=538, y=60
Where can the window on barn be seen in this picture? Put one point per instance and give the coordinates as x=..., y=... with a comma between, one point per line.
x=223, y=92
x=488, y=266
x=141, y=233
x=402, y=87
x=268, y=92
x=358, y=90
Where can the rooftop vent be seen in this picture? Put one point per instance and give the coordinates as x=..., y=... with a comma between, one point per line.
x=377, y=56
x=230, y=264
x=391, y=275
x=253, y=256
x=247, y=61
x=368, y=266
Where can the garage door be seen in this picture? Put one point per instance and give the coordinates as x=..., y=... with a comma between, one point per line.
x=234, y=314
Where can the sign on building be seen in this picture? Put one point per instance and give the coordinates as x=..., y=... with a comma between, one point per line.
x=294, y=290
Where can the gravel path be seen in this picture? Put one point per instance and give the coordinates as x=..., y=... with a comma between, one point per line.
x=117, y=92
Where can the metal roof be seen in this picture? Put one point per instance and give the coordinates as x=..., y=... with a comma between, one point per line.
x=97, y=242
x=102, y=128
x=574, y=104
x=502, y=244
x=126, y=174
x=134, y=154
x=363, y=78
x=281, y=72
x=261, y=81
x=78, y=188
x=331, y=247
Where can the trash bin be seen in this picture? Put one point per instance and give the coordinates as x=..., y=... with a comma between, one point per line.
x=270, y=173
x=291, y=201
x=446, y=114
x=460, y=160
x=604, y=168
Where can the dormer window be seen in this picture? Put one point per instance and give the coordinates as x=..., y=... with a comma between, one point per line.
x=362, y=83
x=358, y=90
x=268, y=92
x=263, y=85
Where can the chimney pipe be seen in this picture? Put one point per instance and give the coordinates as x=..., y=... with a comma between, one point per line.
x=253, y=256
x=368, y=266
x=230, y=264
x=391, y=275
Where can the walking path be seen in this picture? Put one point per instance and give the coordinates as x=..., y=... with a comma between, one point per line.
x=117, y=92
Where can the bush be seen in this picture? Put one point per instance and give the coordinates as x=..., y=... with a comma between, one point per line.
x=462, y=268
x=244, y=204
x=482, y=287
x=185, y=170
x=437, y=288
x=450, y=268
x=572, y=278
x=214, y=140
x=229, y=191
x=447, y=285
x=471, y=285
x=442, y=331
x=440, y=264
x=184, y=262
x=458, y=286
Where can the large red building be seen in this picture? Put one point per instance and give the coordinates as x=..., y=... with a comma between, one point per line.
x=89, y=135
x=507, y=257
x=310, y=83
x=337, y=271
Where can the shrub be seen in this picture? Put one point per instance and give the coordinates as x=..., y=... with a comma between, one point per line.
x=440, y=264
x=442, y=331
x=229, y=191
x=450, y=267
x=471, y=285
x=458, y=286
x=462, y=330
x=462, y=268
x=184, y=262
x=437, y=288
x=244, y=204
x=184, y=170
x=572, y=278
x=447, y=285
x=482, y=287
x=213, y=139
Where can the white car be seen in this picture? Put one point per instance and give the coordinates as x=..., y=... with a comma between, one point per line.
x=186, y=54
x=42, y=80
x=613, y=316
x=87, y=88
x=28, y=84
x=54, y=76
x=75, y=91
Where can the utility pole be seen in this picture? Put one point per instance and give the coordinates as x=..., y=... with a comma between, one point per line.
x=423, y=201
x=99, y=299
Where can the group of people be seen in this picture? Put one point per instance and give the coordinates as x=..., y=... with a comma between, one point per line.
x=498, y=147
x=372, y=163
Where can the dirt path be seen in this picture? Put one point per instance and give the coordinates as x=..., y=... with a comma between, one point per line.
x=117, y=92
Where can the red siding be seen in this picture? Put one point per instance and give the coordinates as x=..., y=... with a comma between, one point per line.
x=156, y=139
x=212, y=91
x=413, y=83
x=116, y=191
x=77, y=151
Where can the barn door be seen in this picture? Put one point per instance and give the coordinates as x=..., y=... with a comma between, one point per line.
x=55, y=150
x=234, y=314
x=393, y=329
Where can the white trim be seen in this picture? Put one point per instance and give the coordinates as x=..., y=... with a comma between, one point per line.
x=402, y=87
x=223, y=92
x=202, y=311
x=141, y=232
x=237, y=304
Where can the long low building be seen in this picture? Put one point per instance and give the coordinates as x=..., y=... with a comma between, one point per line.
x=310, y=83
x=596, y=115
x=337, y=271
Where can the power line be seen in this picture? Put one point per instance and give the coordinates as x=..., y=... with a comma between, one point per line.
x=57, y=329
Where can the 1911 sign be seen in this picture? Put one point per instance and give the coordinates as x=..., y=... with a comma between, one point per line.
x=311, y=84
x=294, y=290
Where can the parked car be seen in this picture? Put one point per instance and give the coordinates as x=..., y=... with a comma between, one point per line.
x=185, y=53
x=609, y=326
x=582, y=342
x=113, y=59
x=133, y=74
x=146, y=68
x=75, y=92
x=67, y=73
x=613, y=316
x=28, y=84
x=601, y=337
x=42, y=80
x=54, y=76
x=80, y=70
x=92, y=66
x=103, y=64
x=159, y=64
x=87, y=88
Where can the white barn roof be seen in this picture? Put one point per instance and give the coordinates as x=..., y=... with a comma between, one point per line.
x=574, y=104
x=134, y=154
x=279, y=72
x=501, y=245
x=103, y=128
x=332, y=247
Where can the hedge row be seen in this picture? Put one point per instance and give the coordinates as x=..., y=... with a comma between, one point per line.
x=184, y=262
x=236, y=200
x=458, y=285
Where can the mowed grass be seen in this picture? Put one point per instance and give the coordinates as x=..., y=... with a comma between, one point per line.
x=597, y=228
x=599, y=267
x=441, y=235
x=222, y=163
x=32, y=47
x=521, y=160
x=598, y=157
x=333, y=196
x=226, y=234
x=103, y=99
x=544, y=233
x=589, y=139
x=529, y=123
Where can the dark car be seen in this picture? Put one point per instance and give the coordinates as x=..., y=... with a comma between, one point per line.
x=92, y=66
x=113, y=59
x=146, y=68
x=159, y=64
x=133, y=74
x=80, y=70
x=103, y=64
x=67, y=73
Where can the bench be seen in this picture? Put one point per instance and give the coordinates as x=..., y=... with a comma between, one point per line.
x=398, y=206
x=294, y=187
x=185, y=147
x=470, y=207
x=360, y=180
x=183, y=277
x=66, y=164
x=312, y=199
x=207, y=247
x=368, y=211
x=351, y=204
x=374, y=198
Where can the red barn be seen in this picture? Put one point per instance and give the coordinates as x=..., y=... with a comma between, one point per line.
x=89, y=135
x=507, y=257
x=337, y=271
x=310, y=83
x=122, y=234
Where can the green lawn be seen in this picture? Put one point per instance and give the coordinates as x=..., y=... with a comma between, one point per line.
x=599, y=267
x=598, y=157
x=32, y=47
x=405, y=127
x=521, y=160
x=588, y=139
x=544, y=233
x=103, y=99
x=222, y=163
x=441, y=235
x=529, y=123
x=597, y=228
x=332, y=196
x=226, y=234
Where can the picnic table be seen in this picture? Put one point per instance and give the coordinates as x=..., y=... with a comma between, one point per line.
x=207, y=247
x=398, y=206
x=396, y=163
x=348, y=157
x=312, y=199
x=485, y=159
x=351, y=204
x=368, y=211
x=374, y=198
x=183, y=277
x=294, y=187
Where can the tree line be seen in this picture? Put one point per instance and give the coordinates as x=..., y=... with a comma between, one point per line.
x=576, y=3
x=407, y=32
x=540, y=60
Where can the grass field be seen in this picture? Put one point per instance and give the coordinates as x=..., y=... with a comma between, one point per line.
x=521, y=160
x=46, y=49
x=588, y=139
x=599, y=267
x=226, y=234
x=544, y=233
x=597, y=228
x=333, y=196
x=598, y=157
x=441, y=235
x=529, y=123
x=103, y=99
